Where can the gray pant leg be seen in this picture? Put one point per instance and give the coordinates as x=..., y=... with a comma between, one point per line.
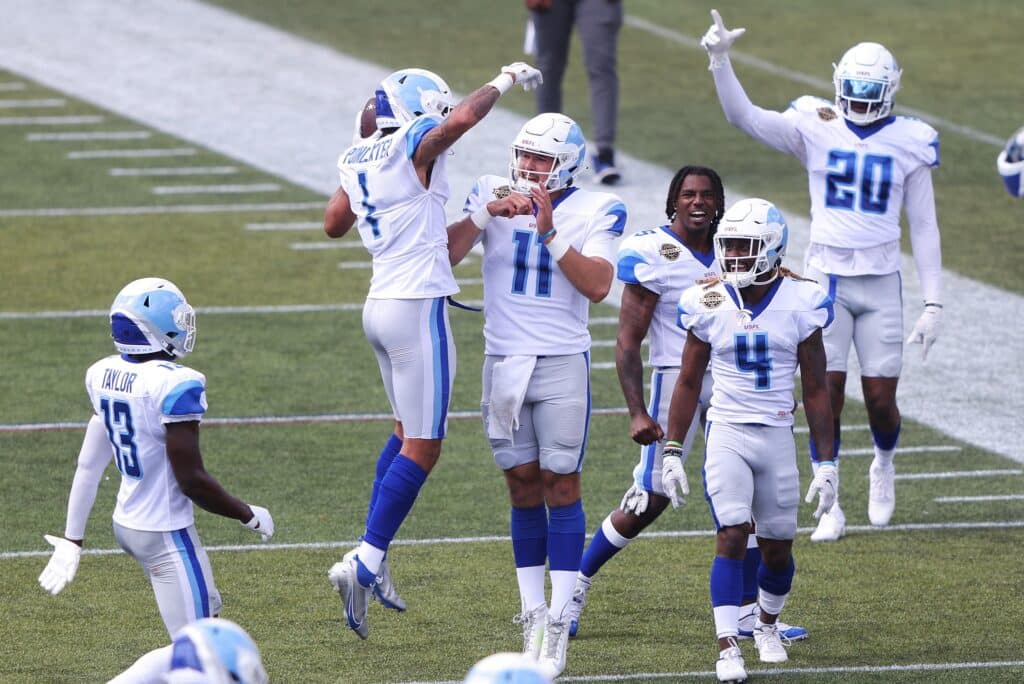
x=553, y=28
x=599, y=22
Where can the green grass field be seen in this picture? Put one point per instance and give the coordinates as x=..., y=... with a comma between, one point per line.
x=943, y=586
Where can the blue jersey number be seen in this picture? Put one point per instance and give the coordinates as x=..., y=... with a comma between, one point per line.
x=752, y=357
x=117, y=416
x=870, y=193
x=370, y=208
x=523, y=239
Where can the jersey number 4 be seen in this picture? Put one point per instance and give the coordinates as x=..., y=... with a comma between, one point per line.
x=523, y=239
x=752, y=356
x=117, y=416
x=858, y=183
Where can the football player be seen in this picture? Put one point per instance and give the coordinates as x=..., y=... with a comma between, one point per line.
x=655, y=266
x=1010, y=164
x=548, y=253
x=207, y=651
x=755, y=327
x=864, y=165
x=394, y=187
x=146, y=413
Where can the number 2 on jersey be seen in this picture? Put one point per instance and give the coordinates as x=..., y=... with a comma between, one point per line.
x=752, y=357
x=117, y=416
x=870, y=193
x=522, y=240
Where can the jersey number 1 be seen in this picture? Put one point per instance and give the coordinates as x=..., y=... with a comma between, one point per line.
x=117, y=416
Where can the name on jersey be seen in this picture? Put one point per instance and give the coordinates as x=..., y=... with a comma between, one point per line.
x=118, y=381
x=367, y=153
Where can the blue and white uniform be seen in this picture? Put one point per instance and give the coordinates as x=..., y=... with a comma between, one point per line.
x=750, y=470
x=153, y=519
x=658, y=261
x=403, y=226
x=536, y=371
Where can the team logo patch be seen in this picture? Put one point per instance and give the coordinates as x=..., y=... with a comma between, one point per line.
x=826, y=113
x=501, y=192
x=669, y=251
x=712, y=299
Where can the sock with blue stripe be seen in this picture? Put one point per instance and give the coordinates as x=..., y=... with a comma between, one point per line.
x=529, y=527
x=885, y=445
x=726, y=594
x=605, y=544
x=398, y=491
x=567, y=532
x=384, y=460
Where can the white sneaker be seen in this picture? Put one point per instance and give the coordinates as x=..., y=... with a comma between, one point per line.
x=384, y=591
x=882, y=493
x=533, y=622
x=577, y=603
x=730, y=667
x=768, y=642
x=748, y=618
x=354, y=596
x=552, y=650
x=831, y=525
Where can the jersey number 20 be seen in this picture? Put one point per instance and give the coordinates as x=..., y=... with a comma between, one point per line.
x=117, y=416
x=857, y=183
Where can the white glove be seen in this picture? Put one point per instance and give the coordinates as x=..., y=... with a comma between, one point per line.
x=62, y=566
x=718, y=40
x=261, y=522
x=634, y=501
x=525, y=75
x=824, y=484
x=926, y=330
x=672, y=474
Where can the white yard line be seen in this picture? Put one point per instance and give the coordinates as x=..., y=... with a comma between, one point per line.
x=175, y=171
x=237, y=189
x=954, y=474
x=354, y=265
x=32, y=104
x=133, y=153
x=88, y=135
x=164, y=209
x=978, y=499
x=332, y=244
x=870, y=451
x=11, y=86
x=492, y=539
x=237, y=64
x=48, y=120
x=290, y=225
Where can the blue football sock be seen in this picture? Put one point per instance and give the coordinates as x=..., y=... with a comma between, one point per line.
x=398, y=491
x=567, y=531
x=387, y=455
x=602, y=548
x=529, y=527
x=751, y=563
x=726, y=582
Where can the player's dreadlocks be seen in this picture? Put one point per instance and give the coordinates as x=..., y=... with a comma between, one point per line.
x=677, y=182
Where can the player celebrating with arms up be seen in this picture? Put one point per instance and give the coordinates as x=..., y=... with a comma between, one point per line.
x=863, y=166
x=755, y=327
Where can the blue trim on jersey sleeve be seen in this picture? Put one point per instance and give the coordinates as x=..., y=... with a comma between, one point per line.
x=626, y=266
x=475, y=192
x=184, y=400
x=935, y=143
x=415, y=134
x=618, y=210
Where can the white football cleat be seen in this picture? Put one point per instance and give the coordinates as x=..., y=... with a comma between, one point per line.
x=577, y=603
x=730, y=667
x=554, y=646
x=831, y=525
x=344, y=575
x=768, y=642
x=384, y=591
x=881, y=493
x=533, y=622
x=748, y=618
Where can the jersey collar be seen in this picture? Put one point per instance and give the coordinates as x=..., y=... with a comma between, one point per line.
x=758, y=308
x=865, y=131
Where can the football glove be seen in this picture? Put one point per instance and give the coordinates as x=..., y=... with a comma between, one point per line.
x=525, y=75
x=673, y=475
x=62, y=566
x=926, y=330
x=634, y=501
x=824, y=485
x=718, y=40
x=261, y=522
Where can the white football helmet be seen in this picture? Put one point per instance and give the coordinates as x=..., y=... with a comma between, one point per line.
x=214, y=651
x=507, y=668
x=867, y=76
x=410, y=93
x=550, y=135
x=760, y=223
x=1011, y=164
x=151, y=315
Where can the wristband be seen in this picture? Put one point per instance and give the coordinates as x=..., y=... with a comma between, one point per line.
x=480, y=217
x=826, y=463
x=548, y=234
x=558, y=247
x=502, y=82
x=673, y=443
x=935, y=304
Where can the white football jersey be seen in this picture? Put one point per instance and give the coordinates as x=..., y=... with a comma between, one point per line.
x=530, y=306
x=658, y=261
x=135, y=401
x=856, y=178
x=754, y=352
x=401, y=223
